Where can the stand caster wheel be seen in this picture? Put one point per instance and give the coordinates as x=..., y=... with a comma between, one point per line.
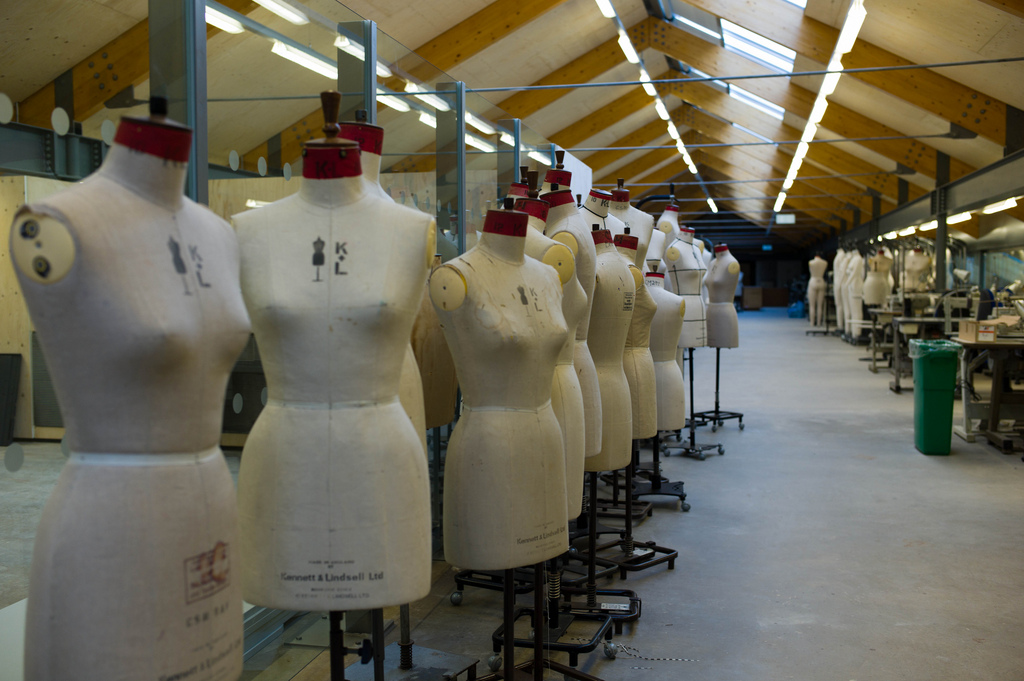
x=494, y=662
x=685, y=507
x=610, y=650
x=742, y=426
x=456, y=598
x=721, y=450
x=531, y=634
x=714, y=427
x=573, y=550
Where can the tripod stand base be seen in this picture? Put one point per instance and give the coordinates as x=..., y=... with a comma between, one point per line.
x=697, y=451
x=616, y=510
x=551, y=636
x=644, y=555
x=622, y=605
x=493, y=580
x=718, y=418
x=664, y=487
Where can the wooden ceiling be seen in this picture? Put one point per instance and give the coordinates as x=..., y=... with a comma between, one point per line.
x=898, y=119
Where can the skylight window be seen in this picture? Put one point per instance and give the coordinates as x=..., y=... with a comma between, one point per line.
x=758, y=48
x=758, y=103
x=753, y=133
x=717, y=84
x=802, y=4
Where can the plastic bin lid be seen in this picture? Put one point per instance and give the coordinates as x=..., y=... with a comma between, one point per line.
x=920, y=348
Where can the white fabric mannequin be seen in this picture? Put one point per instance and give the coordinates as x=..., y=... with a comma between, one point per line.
x=684, y=276
x=668, y=223
x=640, y=224
x=614, y=299
x=434, y=359
x=665, y=330
x=565, y=225
x=816, y=288
x=919, y=270
x=656, y=251
x=504, y=478
x=333, y=493
x=410, y=389
x=566, y=395
x=637, y=360
x=133, y=291
x=723, y=322
x=854, y=282
x=876, y=285
x=595, y=211
x=708, y=258
x=839, y=287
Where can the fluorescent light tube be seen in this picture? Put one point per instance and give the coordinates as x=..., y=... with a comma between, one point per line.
x=809, y=132
x=480, y=124
x=223, y=21
x=692, y=168
x=286, y=12
x=648, y=85
x=851, y=27
x=659, y=106
x=712, y=206
x=818, y=111
x=627, y=48
x=672, y=132
x=1000, y=206
x=474, y=141
x=606, y=8
x=778, y=202
x=909, y=231
x=890, y=236
x=787, y=184
x=507, y=139
x=432, y=100
x=395, y=103
x=427, y=119
x=828, y=86
x=929, y=226
x=357, y=51
x=539, y=158
x=253, y=203
x=698, y=27
x=801, y=152
x=297, y=56
x=958, y=218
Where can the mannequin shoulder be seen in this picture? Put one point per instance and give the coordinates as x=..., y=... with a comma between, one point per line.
x=43, y=244
x=734, y=268
x=561, y=258
x=638, y=277
x=673, y=252
x=568, y=239
x=448, y=288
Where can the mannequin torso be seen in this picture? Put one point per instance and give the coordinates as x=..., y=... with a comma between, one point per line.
x=333, y=459
x=637, y=360
x=640, y=224
x=437, y=370
x=876, y=284
x=133, y=292
x=684, y=276
x=839, y=287
x=505, y=491
x=723, y=323
x=666, y=327
x=918, y=270
x=816, y=288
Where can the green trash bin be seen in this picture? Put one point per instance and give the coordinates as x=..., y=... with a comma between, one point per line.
x=934, y=385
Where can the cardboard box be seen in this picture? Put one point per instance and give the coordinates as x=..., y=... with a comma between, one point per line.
x=983, y=331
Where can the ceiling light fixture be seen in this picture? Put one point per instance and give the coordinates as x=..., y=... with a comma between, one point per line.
x=606, y=8
x=648, y=85
x=890, y=236
x=427, y=119
x=357, y=51
x=507, y=139
x=320, y=65
x=627, y=48
x=711, y=205
x=395, y=103
x=909, y=231
x=539, y=157
x=779, y=201
x=223, y=21
x=480, y=124
x=928, y=226
x=286, y=12
x=659, y=106
x=432, y=100
x=958, y=218
x=999, y=206
x=482, y=145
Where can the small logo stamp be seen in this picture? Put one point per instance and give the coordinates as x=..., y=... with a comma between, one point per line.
x=207, y=573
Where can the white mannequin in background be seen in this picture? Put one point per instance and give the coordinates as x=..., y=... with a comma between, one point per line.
x=816, y=289
x=655, y=252
x=839, y=287
x=723, y=322
x=684, y=276
x=595, y=211
x=854, y=293
x=668, y=223
x=708, y=257
x=665, y=330
x=637, y=360
x=640, y=224
x=437, y=370
x=614, y=298
x=371, y=145
x=504, y=478
x=876, y=285
x=566, y=226
x=919, y=270
x=133, y=291
x=566, y=395
x=333, y=494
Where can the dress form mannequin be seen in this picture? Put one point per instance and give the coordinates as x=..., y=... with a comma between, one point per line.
x=918, y=269
x=854, y=282
x=665, y=330
x=668, y=223
x=637, y=360
x=876, y=285
x=566, y=396
x=640, y=224
x=656, y=251
x=333, y=494
x=614, y=299
x=816, y=288
x=504, y=478
x=723, y=323
x=371, y=145
x=437, y=370
x=708, y=257
x=839, y=287
x=566, y=226
x=595, y=211
x=558, y=176
x=133, y=291
x=684, y=276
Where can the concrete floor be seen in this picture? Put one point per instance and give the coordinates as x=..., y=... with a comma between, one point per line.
x=821, y=546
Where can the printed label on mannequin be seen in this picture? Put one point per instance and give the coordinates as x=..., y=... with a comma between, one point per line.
x=627, y=301
x=542, y=535
x=207, y=573
x=340, y=251
x=181, y=268
x=318, y=256
x=333, y=579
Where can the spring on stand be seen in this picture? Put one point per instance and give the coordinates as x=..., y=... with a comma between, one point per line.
x=405, y=655
x=554, y=585
x=586, y=503
x=628, y=545
x=591, y=594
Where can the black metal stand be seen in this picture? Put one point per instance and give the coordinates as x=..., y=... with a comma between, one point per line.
x=633, y=556
x=615, y=507
x=717, y=417
x=339, y=650
x=829, y=304
x=692, y=449
x=657, y=484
